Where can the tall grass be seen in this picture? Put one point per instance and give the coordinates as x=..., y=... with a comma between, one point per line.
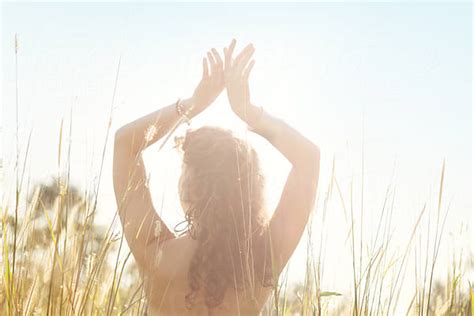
x=56, y=260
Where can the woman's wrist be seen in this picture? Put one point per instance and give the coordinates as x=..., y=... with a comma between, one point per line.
x=250, y=114
x=265, y=124
x=189, y=106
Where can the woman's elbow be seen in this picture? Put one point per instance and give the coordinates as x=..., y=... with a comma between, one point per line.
x=118, y=138
x=121, y=140
x=315, y=152
x=313, y=158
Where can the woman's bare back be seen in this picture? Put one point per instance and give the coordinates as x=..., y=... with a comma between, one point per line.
x=166, y=290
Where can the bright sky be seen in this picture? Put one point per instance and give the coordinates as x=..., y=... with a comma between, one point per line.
x=391, y=81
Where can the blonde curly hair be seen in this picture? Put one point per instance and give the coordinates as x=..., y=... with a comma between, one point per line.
x=221, y=188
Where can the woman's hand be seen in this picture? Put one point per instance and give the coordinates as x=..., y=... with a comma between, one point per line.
x=211, y=84
x=237, y=73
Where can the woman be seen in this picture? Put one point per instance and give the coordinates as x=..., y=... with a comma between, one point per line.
x=232, y=253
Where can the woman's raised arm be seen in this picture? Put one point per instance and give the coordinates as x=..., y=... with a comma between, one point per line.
x=142, y=227
x=297, y=200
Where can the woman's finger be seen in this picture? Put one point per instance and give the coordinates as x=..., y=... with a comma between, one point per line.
x=217, y=57
x=228, y=54
x=240, y=65
x=212, y=62
x=243, y=53
x=210, y=58
x=247, y=70
x=226, y=61
x=218, y=75
x=205, y=68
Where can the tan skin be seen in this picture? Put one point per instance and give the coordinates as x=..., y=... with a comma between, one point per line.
x=163, y=257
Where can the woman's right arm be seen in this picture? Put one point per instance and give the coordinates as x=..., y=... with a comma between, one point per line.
x=142, y=227
x=297, y=200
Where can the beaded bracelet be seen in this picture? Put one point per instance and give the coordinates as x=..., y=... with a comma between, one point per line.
x=183, y=113
x=183, y=116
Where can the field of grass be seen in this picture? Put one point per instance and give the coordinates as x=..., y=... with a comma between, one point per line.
x=56, y=259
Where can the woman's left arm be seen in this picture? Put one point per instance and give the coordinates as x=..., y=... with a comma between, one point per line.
x=142, y=226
